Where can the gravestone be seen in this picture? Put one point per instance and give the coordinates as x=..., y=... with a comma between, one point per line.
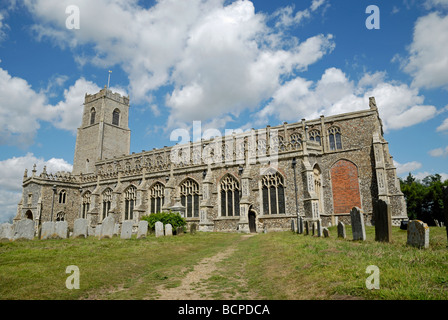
x=126, y=229
x=326, y=232
x=97, y=231
x=142, y=229
x=24, y=229
x=179, y=230
x=357, y=221
x=107, y=228
x=293, y=227
x=168, y=230
x=319, y=227
x=193, y=228
x=47, y=230
x=80, y=228
x=383, y=221
x=341, y=230
x=6, y=231
x=300, y=225
x=418, y=234
x=61, y=229
x=159, y=229
x=307, y=228
x=445, y=208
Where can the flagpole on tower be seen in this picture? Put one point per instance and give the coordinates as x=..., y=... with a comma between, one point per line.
x=108, y=80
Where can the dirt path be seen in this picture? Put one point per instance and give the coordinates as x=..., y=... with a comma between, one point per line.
x=202, y=271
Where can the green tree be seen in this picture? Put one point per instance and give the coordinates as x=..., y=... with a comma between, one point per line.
x=172, y=218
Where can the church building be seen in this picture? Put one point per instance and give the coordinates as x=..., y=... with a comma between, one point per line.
x=254, y=181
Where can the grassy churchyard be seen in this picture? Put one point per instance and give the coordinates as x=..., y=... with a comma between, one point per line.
x=277, y=265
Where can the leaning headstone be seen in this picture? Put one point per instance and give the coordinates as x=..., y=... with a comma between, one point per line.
x=24, y=229
x=126, y=229
x=47, y=230
x=325, y=232
x=159, y=229
x=179, y=230
x=61, y=229
x=357, y=221
x=142, y=229
x=193, y=228
x=341, y=230
x=80, y=228
x=6, y=231
x=383, y=221
x=168, y=230
x=107, y=228
x=418, y=234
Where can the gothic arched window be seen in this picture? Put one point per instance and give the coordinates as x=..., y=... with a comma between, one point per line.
x=130, y=196
x=116, y=117
x=230, y=196
x=315, y=136
x=273, y=193
x=85, y=204
x=334, y=136
x=189, y=197
x=60, y=216
x=62, y=196
x=156, y=197
x=92, y=116
x=107, y=200
x=295, y=141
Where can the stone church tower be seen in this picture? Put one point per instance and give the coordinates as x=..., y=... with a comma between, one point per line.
x=104, y=132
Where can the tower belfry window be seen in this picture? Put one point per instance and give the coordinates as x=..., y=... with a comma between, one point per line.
x=116, y=117
x=92, y=116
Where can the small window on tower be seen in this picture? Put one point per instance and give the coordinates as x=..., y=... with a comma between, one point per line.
x=116, y=117
x=92, y=116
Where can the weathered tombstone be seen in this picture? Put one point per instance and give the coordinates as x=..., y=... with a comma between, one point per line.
x=47, y=230
x=418, y=234
x=293, y=227
x=307, y=228
x=383, y=221
x=142, y=229
x=24, y=229
x=107, y=228
x=80, y=228
x=6, y=231
x=341, y=230
x=97, y=231
x=193, y=228
x=445, y=208
x=126, y=229
x=159, y=229
x=168, y=230
x=326, y=232
x=179, y=230
x=319, y=227
x=300, y=225
x=357, y=221
x=61, y=229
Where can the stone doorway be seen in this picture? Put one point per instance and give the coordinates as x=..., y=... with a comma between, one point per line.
x=252, y=225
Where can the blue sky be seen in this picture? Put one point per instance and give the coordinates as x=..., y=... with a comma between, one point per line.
x=228, y=64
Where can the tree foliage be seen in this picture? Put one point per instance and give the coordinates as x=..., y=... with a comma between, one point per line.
x=172, y=218
x=424, y=199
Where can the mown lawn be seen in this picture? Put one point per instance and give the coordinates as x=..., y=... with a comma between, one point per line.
x=280, y=266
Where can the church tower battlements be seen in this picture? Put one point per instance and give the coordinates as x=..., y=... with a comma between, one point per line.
x=104, y=131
